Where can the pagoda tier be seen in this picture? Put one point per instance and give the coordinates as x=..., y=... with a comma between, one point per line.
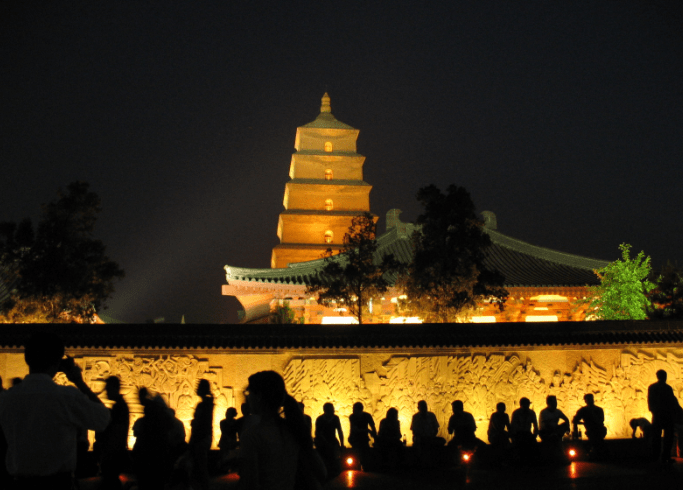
x=325, y=193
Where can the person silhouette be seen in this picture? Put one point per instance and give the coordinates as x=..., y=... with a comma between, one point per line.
x=424, y=426
x=307, y=418
x=523, y=431
x=228, y=425
x=202, y=435
x=327, y=426
x=362, y=427
x=388, y=441
x=277, y=451
x=112, y=443
x=553, y=422
x=499, y=428
x=462, y=426
x=593, y=419
x=153, y=455
x=41, y=420
x=664, y=407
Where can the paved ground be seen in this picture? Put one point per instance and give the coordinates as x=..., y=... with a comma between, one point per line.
x=578, y=475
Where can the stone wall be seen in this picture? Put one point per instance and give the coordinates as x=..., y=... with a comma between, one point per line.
x=382, y=378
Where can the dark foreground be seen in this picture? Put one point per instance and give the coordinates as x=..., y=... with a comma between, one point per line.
x=578, y=475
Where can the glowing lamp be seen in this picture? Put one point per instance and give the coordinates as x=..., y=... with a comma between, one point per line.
x=572, y=452
x=466, y=457
x=349, y=461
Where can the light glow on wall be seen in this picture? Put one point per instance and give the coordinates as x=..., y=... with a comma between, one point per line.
x=339, y=320
x=405, y=319
x=483, y=319
x=541, y=318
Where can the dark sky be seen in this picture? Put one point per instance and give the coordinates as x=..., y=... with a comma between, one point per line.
x=564, y=118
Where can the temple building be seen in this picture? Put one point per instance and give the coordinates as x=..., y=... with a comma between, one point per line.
x=326, y=191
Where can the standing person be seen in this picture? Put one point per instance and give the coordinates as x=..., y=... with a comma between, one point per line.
x=307, y=418
x=276, y=453
x=362, y=427
x=663, y=404
x=202, y=435
x=112, y=443
x=327, y=426
x=462, y=426
x=41, y=419
x=153, y=454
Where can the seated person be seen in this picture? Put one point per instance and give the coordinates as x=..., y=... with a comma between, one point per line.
x=462, y=426
x=424, y=425
x=550, y=427
x=388, y=442
x=593, y=419
x=524, y=425
x=499, y=427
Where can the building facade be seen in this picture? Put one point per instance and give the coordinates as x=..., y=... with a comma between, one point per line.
x=325, y=192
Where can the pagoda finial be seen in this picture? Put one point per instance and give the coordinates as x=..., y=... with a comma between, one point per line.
x=325, y=106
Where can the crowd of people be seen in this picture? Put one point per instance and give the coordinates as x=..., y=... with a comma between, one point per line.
x=271, y=445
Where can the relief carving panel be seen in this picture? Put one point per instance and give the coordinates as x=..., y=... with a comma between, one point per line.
x=480, y=381
x=174, y=377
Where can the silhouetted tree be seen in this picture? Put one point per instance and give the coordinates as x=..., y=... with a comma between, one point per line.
x=448, y=277
x=623, y=290
x=667, y=296
x=58, y=272
x=355, y=276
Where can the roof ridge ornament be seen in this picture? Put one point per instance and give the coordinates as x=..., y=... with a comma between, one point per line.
x=325, y=105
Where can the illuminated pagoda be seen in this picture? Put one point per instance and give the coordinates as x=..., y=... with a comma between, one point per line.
x=326, y=191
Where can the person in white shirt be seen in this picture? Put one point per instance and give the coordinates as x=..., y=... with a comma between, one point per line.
x=41, y=420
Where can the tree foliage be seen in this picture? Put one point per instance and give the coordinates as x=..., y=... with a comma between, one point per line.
x=448, y=277
x=354, y=277
x=623, y=290
x=282, y=314
x=57, y=272
x=667, y=296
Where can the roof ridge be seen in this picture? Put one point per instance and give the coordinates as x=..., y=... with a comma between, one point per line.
x=543, y=253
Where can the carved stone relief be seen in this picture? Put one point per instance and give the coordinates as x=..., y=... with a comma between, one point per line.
x=173, y=377
x=480, y=381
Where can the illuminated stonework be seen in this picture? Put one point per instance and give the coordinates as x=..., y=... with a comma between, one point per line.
x=617, y=375
x=325, y=191
x=481, y=381
x=174, y=377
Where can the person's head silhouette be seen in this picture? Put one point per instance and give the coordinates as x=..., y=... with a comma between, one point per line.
x=422, y=406
x=588, y=398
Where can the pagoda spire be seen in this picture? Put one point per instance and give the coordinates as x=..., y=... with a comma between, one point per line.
x=325, y=106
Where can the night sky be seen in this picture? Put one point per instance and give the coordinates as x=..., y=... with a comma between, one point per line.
x=563, y=118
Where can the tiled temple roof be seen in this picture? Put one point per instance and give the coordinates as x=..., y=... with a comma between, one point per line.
x=522, y=264
x=275, y=337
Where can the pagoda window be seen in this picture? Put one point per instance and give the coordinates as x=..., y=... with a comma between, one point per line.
x=328, y=146
x=328, y=174
x=329, y=206
x=328, y=236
